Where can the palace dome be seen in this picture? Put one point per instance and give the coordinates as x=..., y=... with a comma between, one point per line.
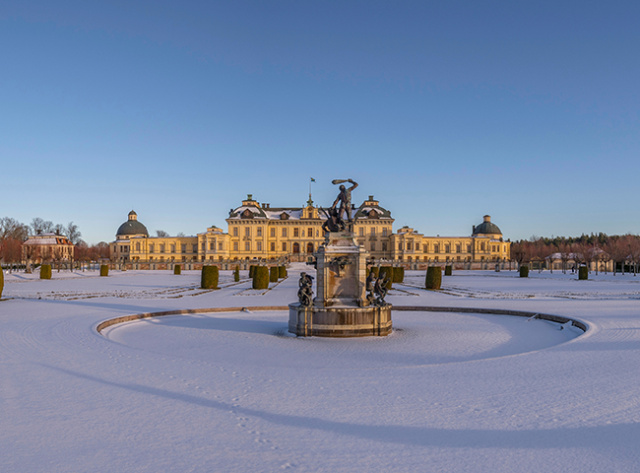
x=132, y=227
x=487, y=228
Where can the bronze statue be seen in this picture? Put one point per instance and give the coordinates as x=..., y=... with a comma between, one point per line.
x=333, y=222
x=344, y=199
x=305, y=293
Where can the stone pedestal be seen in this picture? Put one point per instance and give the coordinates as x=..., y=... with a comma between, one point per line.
x=340, y=308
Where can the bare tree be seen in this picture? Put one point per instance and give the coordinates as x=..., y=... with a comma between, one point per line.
x=39, y=226
x=161, y=233
x=72, y=233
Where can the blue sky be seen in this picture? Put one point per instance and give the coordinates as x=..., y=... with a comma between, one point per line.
x=444, y=111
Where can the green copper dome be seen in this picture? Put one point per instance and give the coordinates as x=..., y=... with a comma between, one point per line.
x=487, y=228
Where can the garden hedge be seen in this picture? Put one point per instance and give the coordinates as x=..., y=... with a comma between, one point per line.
x=45, y=271
x=282, y=272
x=273, y=274
x=104, y=270
x=448, y=270
x=433, y=279
x=177, y=269
x=209, y=277
x=260, y=277
x=524, y=271
x=236, y=274
x=398, y=274
x=583, y=273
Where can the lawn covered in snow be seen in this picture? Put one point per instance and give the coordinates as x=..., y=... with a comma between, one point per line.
x=233, y=391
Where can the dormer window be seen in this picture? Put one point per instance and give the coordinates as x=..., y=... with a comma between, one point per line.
x=247, y=214
x=284, y=216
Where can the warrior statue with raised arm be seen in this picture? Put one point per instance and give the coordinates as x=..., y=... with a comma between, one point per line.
x=344, y=199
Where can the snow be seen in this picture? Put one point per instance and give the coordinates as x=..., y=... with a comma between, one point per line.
x=233, y=391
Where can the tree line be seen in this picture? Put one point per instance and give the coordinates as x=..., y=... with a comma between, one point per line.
x=590, y=250
x=13, y=234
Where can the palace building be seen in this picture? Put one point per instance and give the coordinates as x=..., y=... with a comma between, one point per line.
x=260, y=232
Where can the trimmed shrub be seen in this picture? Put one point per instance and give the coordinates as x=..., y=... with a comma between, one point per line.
x=448, y=270
x=1, y=281
x=433, y=279
x=282, y=272
x=261, y=277
x=104, y=270
x=375, y=270
x=45, y=271
x=389, y=273
x=177, y=269
x=524, y=271
x=398, y=274
x=236, y=274
x=583, y=273
x=209, y=277
x=252, y=270
x=273, y=274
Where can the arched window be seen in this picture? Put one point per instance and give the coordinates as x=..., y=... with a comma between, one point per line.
x=296, y=248
x=309, y=248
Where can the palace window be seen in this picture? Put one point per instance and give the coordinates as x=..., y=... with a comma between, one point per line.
x=194, y=247
x=184, y=248
x=259, y=231
x=447, y=248
x=162, y=248
x=373, y=231
x=373, y=246
x=384, y=246
x=425, y=247
x=247, y=246
x=220, y=247
x=409, y=245
x=296, y=233
x=235, y=246
x=173, y=248
x=137, y=246
x=436, y=248
x=152, y=248
x=361, y=231
x=259, y=246
x=284, y=232
x=284, y=246
x=468, y=248
x=273, y=232
x=273, y=246
x=247, y=231
x=310, y=232
x=212, y=245
x=235, y=231
x=384, y=232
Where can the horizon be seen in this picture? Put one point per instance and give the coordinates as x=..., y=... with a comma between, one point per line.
x=443, y=112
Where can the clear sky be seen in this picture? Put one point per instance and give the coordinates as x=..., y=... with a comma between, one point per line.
x=443, y=110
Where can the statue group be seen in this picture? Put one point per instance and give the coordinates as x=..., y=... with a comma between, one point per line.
x=377, y=288
x=341, y=207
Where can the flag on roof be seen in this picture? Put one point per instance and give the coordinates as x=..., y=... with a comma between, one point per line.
x=313, y=180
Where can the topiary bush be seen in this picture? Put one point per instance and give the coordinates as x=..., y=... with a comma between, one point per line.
x=524, y=271
x=273, y=274
x=261, y=277
x=177, y=269
x=104, y=270
x=433, y=279
x=398, y=274
x=45, y=271
x=375, y=270
x=252, y=270
x=448, y=270
x=282, y=272
x=583, y=273
x=236, y=274
x=209, y=277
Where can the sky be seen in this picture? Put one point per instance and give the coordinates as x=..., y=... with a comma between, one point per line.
x=444, y=111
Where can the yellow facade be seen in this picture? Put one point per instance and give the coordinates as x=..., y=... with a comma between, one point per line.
x=261, y=232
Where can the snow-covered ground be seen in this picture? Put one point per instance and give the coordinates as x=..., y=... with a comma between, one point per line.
x=233, y=392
